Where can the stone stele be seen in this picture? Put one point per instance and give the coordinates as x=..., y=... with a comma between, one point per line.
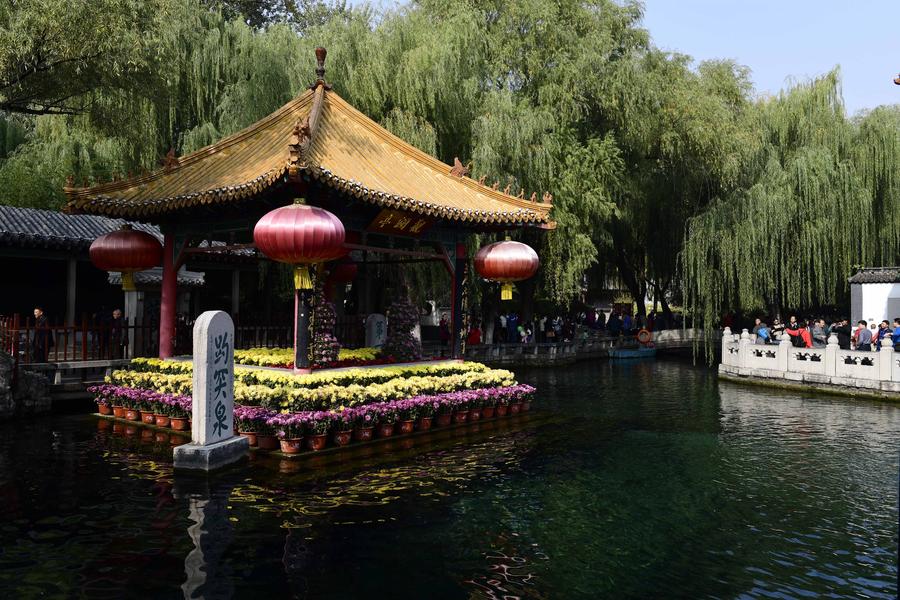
x=213, y=440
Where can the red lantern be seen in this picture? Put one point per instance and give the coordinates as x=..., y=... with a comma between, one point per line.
x=506, y=262
x=300, y=235
x=126, y=251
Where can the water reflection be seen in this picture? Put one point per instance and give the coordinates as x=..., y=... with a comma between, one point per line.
x=646, y=472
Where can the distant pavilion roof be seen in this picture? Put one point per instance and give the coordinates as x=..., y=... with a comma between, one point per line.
x=320, y=134
x=877, y=275
x=35, y=228
x=154, y=276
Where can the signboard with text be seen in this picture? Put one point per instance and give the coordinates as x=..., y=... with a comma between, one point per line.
x=397, y=222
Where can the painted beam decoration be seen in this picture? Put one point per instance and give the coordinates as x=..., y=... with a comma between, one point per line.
x=398, y=222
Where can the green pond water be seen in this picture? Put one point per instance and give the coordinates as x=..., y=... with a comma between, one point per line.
x=646, y=480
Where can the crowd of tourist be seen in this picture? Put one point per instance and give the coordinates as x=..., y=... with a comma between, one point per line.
x=814, y=333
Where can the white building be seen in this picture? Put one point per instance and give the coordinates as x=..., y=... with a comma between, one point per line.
x=875, y=294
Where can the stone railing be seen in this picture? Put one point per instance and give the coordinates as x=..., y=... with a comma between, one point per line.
x=877, y=371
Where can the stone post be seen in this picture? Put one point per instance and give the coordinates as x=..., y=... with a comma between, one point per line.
x=784, y=349
x=727, y=338
x=213, y=443
x=885, y=358
x=831, y=356
x=744, y=350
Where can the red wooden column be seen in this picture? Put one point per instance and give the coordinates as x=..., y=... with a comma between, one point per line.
x=167, y=305
x=456, y=320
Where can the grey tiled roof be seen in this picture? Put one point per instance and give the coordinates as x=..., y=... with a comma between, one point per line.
x=877, y=275
x=153, y=277
x=34, y=228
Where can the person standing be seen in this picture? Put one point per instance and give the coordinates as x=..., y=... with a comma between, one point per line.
x=116, y=330
x=43, y=337
x=863, y=337
x=819, y=336
x=843, y=333
x=895, y=336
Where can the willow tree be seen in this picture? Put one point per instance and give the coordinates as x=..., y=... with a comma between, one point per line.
x=820, y=196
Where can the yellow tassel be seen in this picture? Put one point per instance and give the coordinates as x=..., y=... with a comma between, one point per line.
x=128, y=281
x=302, y=280
x=506, y=289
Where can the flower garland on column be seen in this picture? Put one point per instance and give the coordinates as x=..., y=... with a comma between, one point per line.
x=402, y=316
x=325, y=347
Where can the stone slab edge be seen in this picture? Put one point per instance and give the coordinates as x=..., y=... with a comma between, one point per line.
x=212, y=456
x=832, y=389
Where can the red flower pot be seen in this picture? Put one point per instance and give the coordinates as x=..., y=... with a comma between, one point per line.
x=385, y=430
x=363, y=434
x=515, y=408
x=119, y=411
x=148, y=417
x=316, y=442
x=342, y=438
x=266, y=442
x=502, y=410
x=474, y=414
x=250, y=435
x=292, y=445
x=118, y=428
x=162, y=420
x=460, y=416
x=407, y=426
x=105, y=409
x=526, y=406
x=424, y=423
x=443, y=419
x=162, y=437
x=487, y=412
x=104, y=424
x=178, y=424
x=146, y=435
x=132, y=415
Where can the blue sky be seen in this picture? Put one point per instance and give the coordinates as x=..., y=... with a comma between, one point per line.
x=790, y=38
x=786, y=39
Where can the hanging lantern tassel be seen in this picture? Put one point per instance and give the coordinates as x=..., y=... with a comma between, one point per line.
x=302, y=280
x=506, y=290
x=128, y=281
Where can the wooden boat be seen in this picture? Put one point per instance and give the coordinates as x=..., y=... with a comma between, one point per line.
x=631, y=353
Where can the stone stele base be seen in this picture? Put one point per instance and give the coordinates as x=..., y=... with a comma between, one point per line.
x=206, y=458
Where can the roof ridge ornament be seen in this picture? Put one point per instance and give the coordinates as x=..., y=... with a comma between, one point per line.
x=321, y=53
x=459, y=169
x=300, y=137
x=170, y=160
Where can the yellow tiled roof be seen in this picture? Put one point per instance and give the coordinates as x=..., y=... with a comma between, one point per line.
x=344, y=150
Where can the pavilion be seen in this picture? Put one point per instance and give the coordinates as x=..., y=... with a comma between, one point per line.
x=391, y=198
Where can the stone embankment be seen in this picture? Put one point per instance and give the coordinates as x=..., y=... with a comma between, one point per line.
x=29, y=396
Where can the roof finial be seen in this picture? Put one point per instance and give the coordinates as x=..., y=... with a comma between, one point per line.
x=321, y=53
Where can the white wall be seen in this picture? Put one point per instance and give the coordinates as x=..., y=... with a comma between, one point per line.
x=874, y=301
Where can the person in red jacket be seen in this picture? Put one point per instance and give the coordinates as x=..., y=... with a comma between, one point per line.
x=801, y=333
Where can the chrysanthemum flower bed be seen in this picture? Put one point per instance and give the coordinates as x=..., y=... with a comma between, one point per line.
x=321, y=407
x=284, y=358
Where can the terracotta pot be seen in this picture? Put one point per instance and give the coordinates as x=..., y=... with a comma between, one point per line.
x=407, y=426
x=292, y=446
x=515, y=408
x=342, y=438
x=162, y=420
x=119, y=411
x=502, y=410
x=146, y=435
x=526, y=406
x=385, y=430
x=177, y=440
x=105, y=409
x=161, y=436
x=460, y=416
x=474, y=414
x=363, y=434
x=424, y=423
x=443, y=419
x=118, y=428
x=148, y=417
x=132, y=415
x=316, y=442
x=487, y=412
x=266, y=442
x=250, y=435
x=178, y=424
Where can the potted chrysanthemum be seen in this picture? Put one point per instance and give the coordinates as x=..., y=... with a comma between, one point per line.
x=317, y=425
x=342, y=422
